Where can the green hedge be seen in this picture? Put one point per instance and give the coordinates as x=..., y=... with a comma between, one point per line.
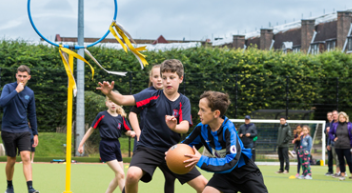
x=260, y=77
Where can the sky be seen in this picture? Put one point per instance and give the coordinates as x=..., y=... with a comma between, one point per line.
x=148, y=19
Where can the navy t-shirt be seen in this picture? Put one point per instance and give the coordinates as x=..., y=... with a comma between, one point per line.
x=140, y=111
x=156, y=134
x=110, y=127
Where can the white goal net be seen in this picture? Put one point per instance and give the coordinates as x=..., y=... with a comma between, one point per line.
x=267, y=134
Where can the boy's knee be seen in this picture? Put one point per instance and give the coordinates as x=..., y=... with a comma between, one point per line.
x=133, y=176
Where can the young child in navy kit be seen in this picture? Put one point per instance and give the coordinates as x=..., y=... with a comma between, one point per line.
x=231, y=162
x=168, y=114
x=155, y=83
x=111, y=123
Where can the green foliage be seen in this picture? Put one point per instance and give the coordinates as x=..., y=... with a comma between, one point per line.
x=260, y=77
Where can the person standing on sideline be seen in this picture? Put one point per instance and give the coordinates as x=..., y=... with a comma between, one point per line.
x=17, y=101
x=283, y=137
x=247, y=132
x=341, y=133
x=327, y=142
x=334, y=122
x=297, y=133
x=304, y=153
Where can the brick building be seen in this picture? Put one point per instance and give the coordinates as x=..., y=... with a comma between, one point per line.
x=314, y=35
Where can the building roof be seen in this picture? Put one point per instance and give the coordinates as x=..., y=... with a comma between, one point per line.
x=160, y=40
x=319, y=20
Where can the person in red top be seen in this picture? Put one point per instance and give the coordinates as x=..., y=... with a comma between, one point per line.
x=111, y=124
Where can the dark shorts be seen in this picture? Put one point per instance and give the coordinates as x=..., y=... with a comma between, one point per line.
x=148, y=159
x=16, y=142
x=32, y=148
x=110, y=150
x=249, y=181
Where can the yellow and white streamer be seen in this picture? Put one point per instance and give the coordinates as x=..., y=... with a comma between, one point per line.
x=67, y=65
x=125, y=35
x=96, y=61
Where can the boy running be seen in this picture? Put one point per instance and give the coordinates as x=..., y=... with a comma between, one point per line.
x=231, y=162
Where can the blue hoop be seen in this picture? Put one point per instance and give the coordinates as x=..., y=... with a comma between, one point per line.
x=66, y=46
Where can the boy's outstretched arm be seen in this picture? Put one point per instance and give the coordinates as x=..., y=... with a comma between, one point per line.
x=106, y=88
x=171, y=122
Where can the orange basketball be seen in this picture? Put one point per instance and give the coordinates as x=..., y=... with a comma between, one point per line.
x=175, y=157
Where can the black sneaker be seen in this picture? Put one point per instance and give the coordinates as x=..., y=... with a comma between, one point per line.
x=32, y=190
x=9, y=190
x=329, y=174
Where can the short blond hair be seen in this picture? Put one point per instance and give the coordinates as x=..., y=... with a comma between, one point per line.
x=345, y=115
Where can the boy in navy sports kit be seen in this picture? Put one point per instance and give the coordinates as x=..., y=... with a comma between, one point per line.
x=231, y=162
x=168, y=114
x=18, y=103
x=155, y=83
x=111, y=124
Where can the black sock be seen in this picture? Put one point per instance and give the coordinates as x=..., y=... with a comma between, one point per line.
x=9, y=183
x=29, y=184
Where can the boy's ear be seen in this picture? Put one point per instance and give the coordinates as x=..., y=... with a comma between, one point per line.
x=217, y=113
x=181, y=79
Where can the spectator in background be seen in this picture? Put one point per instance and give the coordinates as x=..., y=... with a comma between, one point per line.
x=331, y=144
x=283, y=137
x=247, y=132
x=304, y=153
x=327, y=142
x=341, y=134
x=297, y=133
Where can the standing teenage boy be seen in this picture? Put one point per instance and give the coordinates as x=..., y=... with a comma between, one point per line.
x=283, y=137
x=18, y=103
x=168, y=113
x=231, y=163
x=247, y=132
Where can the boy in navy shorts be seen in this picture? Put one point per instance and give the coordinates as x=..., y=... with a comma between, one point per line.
x=168, y=114
x=231, y=162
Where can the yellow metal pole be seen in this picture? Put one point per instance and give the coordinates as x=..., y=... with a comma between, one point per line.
x=69, y=129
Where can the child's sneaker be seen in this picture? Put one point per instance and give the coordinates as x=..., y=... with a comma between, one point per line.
x=9, y=190
x=336, y=175
x=341, y=178
x=297, y=175
x=285, y=172
x=32, y=190
x=291, y=154
x=301, y=177
x=308, y=177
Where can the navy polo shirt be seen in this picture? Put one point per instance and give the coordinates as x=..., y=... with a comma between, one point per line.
x=110, y=127
x=156, y=134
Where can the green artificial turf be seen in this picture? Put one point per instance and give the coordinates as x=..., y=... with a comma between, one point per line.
x=96, y=177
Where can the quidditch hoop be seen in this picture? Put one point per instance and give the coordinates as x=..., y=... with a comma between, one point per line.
x=67, y=46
